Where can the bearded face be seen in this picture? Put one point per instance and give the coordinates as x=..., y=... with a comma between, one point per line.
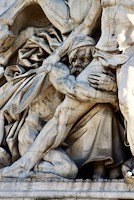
x=79, y=58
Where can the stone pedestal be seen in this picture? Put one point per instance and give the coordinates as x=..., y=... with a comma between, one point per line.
x=39, y=189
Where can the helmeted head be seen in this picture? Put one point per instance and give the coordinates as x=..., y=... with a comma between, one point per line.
x=80, y=53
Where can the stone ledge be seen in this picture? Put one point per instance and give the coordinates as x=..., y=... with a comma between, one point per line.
x=64, y=189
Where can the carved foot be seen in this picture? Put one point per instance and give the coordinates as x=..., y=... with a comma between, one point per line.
x=14, y=171
x=6, y=37
x=17, y=172
x=46, y=175
x=128, y=170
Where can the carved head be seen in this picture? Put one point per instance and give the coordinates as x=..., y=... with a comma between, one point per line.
x=80, y=53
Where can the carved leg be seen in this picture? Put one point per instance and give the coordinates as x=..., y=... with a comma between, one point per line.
x=57, y=162
x=61, y=19
x=53, y=133
x=48, y=6
x=11, y=13
x=51, y=136
x=28, y=132
x=126, y=98
x=126, y=102
x=6, y=20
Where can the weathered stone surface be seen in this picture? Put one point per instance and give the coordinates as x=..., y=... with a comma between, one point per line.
x=52, y=189
x=5, y=4
x=50, y=86
x=66, y=98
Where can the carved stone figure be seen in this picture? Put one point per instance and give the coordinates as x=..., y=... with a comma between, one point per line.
x=117, y=40
x=83, y=94
x=59, y=76
x=70, y=14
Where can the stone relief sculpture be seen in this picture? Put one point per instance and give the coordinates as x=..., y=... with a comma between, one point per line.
x=58, y=98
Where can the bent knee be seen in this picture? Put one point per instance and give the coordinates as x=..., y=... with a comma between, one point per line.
x=68, y=170
x=63, y=165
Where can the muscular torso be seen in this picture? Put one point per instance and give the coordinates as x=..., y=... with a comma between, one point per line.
x=46, y=102
x=117, y=25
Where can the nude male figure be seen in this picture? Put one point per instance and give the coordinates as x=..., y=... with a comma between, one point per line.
x=80, y=98
x=81, y=94
x=115, y=49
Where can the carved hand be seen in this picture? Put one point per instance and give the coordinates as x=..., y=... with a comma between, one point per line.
x=48, y=63
x=52, y=59
x=103, y=81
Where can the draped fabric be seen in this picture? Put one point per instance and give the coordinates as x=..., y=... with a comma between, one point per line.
x=97, y=137
x=24, y=82
x=92, y=138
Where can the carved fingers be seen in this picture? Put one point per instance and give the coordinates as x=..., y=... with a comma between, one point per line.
x=103, y=81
